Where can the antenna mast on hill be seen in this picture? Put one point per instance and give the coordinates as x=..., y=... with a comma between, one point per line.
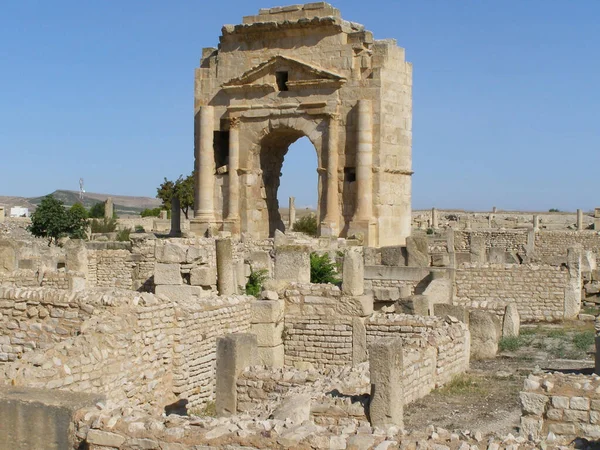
x=81, y=190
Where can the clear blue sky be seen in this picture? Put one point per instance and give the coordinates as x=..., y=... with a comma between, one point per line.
x=506, y=96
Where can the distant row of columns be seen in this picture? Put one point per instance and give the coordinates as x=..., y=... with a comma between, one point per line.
x=204, y=166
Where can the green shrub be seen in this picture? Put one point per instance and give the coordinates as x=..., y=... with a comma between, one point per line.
x=123, y=235
x=104, y=226
x=139, y=229
x=429, y=231
x=307, y=224
x=553, y=210
x=323, y=269
x=52, y=221
x=584, y=339
x=255, y=282
x=511, y=343
x=154, y=212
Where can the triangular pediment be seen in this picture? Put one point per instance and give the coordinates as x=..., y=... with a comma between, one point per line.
x=298, y=73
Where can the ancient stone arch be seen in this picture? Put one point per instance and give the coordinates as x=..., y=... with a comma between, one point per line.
x=303, y=71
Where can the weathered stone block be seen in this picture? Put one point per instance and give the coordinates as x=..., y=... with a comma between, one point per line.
x=393, y=256
x=353, y=277
x=580, y=403
x=292, y=263
x=105, y=438
x=268, y=334
x=235, y=352
x=532, y=403
x=203, y=276
x=180, y=293
x=484, y=335
x=531, y=426
x=359, y=341
x=385, y=366
x=267, y=311
x=417, y=250
x=511, y=322
x=167, y=274
x=443, y=310
x=170, y=253
x=271, y=356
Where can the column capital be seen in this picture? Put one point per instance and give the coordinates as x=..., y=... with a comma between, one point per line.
x=234, y=122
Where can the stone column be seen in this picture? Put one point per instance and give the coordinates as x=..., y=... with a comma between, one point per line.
x=434, y=218
x=235, y=352
x=364, y=162
x=579, y=220
x=233, y=204
x=292, y=213
x=225, y=281
x=1, y=214
x=385, y=361
x=353, y=276
x=536, y=222
x=574, y=283
x=108, y=208
x=175, y=216
x=204, y=165
x=330, y=224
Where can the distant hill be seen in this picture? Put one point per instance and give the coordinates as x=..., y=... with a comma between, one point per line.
x=123, y=204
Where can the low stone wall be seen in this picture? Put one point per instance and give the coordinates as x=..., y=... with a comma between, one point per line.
x=316, y=329
x=551, y=246
x=37, y=318
x=57, y=279
x=138, y=349
x=109, y=266
x=436, y=348
x=565, y=404
x=538, y=291
x=509, y=240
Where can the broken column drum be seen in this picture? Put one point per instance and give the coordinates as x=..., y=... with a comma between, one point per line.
x=304, y=72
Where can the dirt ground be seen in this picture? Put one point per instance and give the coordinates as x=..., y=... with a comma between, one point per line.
x=486, y=398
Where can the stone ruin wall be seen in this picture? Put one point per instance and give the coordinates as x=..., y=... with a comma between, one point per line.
x=509, y=240
x=551, y=246
x=567, y=405
x=138, y=349
x=537, y=290
x=37, y=319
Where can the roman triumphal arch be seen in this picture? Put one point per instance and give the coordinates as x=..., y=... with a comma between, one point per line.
x=300, y=71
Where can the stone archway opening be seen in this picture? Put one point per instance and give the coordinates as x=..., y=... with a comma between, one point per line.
x=299, y=177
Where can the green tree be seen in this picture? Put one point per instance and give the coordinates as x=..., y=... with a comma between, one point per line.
x=97, y=211
x=323, y=269
x=183, y=188
x=154, y=212
x=78, y=221
x=51, y=220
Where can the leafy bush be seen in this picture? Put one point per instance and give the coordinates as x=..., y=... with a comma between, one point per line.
x=104, y=226
x=553, y=210
x=307, y=224
x=139, y=229
x=323, y=269
x=154, y=212
x=123, y=235
x=429, y=231
x=255, y=282
x=51, y=220
x=97, y=211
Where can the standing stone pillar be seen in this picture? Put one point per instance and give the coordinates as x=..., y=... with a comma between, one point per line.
x=175, y=216
x=233, y=216
x=235, y=352
x=490, y=218
x=330, y=224
x=385, y=361
x=225, y=280
x=353, y=275
x=574, y=283
x=1, y=214
x=579, y=220
x=364, y=162
x=108, y=208
x=292, y=213
x=434, y=218
x=204, y=172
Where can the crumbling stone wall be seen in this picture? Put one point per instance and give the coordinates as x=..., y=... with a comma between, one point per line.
x=551, y=246
x=110, y=267
x=32, y=319
x=565, y=404
x=509, y=240
x=538, y=291
x=138, y=349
